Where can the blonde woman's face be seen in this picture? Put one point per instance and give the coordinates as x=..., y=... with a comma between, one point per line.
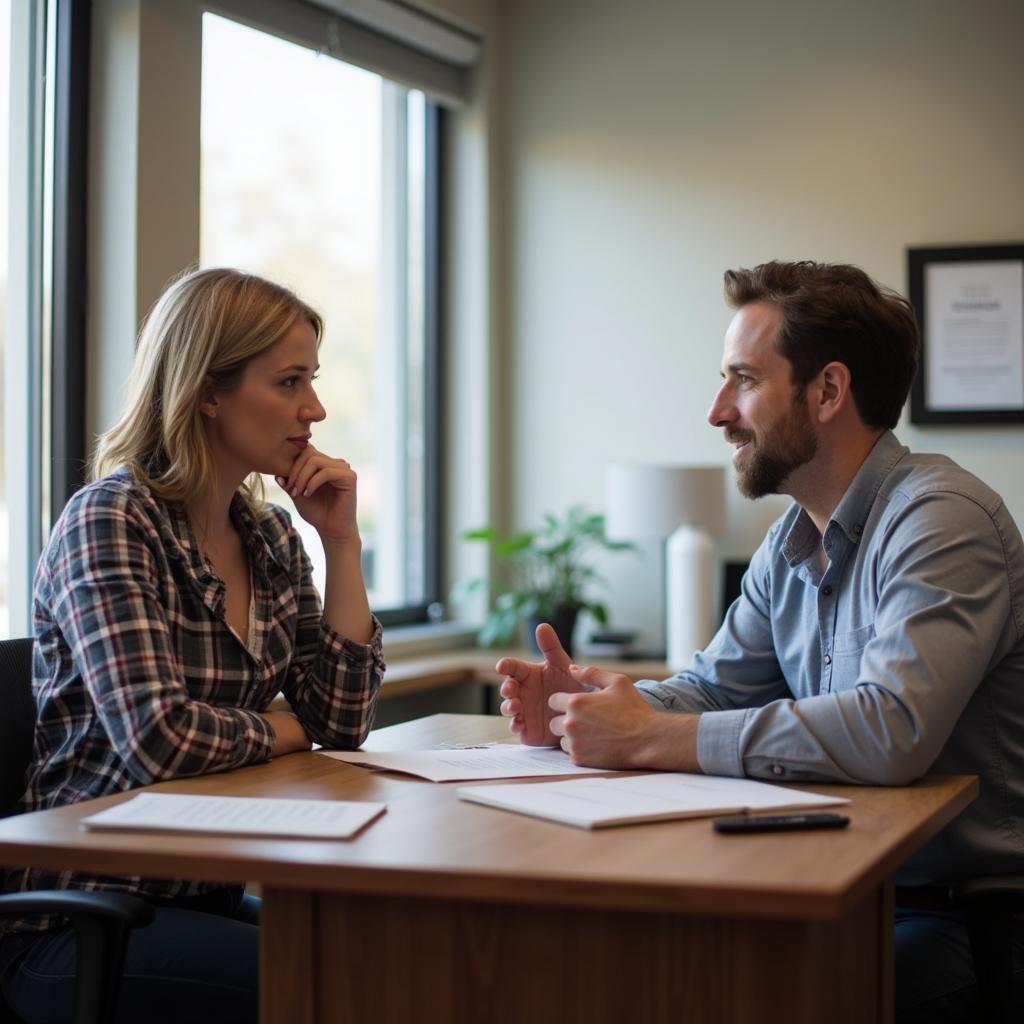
x=262, y=424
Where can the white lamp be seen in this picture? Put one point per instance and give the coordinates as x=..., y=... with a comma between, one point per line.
x=686, y=506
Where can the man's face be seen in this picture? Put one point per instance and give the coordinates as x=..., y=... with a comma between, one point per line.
x=758, y=408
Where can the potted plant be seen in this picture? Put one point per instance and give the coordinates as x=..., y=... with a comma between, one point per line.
x=542, y=575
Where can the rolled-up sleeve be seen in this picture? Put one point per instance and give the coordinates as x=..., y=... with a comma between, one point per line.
x=941, y=612
x=332, y=682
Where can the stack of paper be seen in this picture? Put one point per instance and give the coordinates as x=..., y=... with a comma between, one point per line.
x=595, y=803
x=495, y=761
x=234, y=815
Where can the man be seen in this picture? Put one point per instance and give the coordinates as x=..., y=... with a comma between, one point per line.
x=879, y=634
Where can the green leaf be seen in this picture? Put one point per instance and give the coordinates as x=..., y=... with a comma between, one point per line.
x=483, y=533
x=499, y=628
x=620, y=545
x=536, y=571
x=513, y=545
x=510, y=601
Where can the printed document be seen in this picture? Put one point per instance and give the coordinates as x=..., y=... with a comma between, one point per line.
x=595, y=803
x=497, y=761
x=237, y=815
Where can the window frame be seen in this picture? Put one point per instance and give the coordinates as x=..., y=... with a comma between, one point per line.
x=302, y=33
x=23, y=370
x=54, y=463
x=46, y=391
x=70, y=201
x=433, y=381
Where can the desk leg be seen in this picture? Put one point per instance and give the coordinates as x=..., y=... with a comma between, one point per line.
x=339, y=957
x=287, y=957
x=886, y=953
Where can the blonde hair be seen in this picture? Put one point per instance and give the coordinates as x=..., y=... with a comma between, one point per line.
x=203, y=330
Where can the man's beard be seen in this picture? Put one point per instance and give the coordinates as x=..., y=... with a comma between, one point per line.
x=785, y=446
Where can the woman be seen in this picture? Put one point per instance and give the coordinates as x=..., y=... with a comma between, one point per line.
x=171, y=606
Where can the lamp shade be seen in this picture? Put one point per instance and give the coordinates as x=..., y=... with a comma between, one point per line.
x=648, y=501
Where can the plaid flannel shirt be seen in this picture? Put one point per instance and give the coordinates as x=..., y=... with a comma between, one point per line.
x=138, y=678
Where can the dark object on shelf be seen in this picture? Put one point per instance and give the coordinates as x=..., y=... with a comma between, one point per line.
x=611, y=643
x=563, y=622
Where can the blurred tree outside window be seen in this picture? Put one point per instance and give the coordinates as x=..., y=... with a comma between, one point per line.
x=313, y=175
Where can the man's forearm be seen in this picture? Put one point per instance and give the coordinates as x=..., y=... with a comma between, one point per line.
x=670, y=743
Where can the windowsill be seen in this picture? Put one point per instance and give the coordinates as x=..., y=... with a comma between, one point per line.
x=428, y=638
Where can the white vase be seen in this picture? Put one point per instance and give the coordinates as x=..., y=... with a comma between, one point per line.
x=692, y=598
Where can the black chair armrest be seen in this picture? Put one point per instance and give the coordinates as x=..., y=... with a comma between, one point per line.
x=129, y=911
x=993, y=885
x=102, y=922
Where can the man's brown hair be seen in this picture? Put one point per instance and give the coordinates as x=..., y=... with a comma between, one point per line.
x=834, y=312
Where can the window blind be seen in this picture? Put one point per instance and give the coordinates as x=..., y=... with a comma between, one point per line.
x=388, y=37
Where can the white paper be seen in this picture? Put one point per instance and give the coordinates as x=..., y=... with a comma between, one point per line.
x=234, y=815
x=974, y=341
x=593, y=803
x=500, y=761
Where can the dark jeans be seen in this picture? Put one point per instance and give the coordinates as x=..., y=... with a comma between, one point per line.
x=934, y=970
x=196, y=962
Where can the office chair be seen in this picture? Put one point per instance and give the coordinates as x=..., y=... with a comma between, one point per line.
x=990, y=905
x=101, y=921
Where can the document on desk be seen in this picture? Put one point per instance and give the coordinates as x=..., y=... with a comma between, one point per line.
x=237, y=816
x=596, y=803
x=497, y=761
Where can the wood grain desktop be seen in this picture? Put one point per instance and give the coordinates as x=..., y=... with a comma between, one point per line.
x=446, y=911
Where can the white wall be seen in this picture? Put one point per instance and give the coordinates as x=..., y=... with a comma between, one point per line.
x=649, y=146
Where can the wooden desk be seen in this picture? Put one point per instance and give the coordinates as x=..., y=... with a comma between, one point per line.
x=444, y=911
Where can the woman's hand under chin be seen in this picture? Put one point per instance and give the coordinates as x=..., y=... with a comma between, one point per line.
x=324, y=492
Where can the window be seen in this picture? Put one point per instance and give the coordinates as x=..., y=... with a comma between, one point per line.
x=376, y=285
x=325, y=179
x=27, y=113
x=5, y=488
x=45, y=46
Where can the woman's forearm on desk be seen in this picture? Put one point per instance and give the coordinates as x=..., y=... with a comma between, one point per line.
x=289, y=736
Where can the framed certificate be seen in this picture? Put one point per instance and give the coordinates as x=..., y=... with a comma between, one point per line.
x=970, y=307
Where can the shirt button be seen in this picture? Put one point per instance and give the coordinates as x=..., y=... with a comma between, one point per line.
x=828, y=659
x=826, y=591
x=858, y=529
x=777, y=769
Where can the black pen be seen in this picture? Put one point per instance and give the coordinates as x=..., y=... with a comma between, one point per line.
x=778, y=822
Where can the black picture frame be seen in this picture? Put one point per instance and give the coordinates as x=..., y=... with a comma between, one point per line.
x=919, y=259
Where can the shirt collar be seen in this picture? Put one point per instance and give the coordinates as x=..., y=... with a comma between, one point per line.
x=183, y=540
x=855, y=505
x=251, y=530
x=852, y=511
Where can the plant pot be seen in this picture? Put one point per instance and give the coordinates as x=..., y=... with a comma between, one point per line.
x=563, y=622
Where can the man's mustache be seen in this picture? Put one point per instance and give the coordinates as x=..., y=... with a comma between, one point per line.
x=738, y=436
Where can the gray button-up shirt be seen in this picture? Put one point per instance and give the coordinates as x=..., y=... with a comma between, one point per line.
x=905, y=657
